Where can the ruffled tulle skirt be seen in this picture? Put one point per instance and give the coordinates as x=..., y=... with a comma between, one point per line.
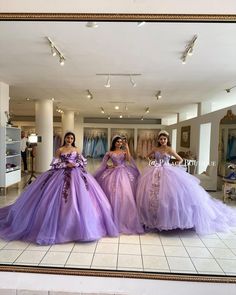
x=61, y=205
x=119, y=184
x=169, y=198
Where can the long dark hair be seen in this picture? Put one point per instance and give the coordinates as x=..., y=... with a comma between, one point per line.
x=114, y=140
x=165, y=135
x=69, y=133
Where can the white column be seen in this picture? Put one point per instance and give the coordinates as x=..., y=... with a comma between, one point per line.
x=44, y=128
x=79, y=132
x=135, y=139
x=109, y=138
x=4, y=102
x=68, y=122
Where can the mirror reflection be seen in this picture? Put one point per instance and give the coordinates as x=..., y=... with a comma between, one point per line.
x=118, y=146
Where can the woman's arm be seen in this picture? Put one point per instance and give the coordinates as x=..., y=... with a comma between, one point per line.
x=149, y=155
x=127, y=152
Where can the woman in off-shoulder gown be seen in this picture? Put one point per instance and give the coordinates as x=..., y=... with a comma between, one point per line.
x=169, y=198
x=119, y=182
x=63, y=204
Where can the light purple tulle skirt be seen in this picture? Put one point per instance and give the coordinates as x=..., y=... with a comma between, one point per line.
x=169, y=198
x=57, y=210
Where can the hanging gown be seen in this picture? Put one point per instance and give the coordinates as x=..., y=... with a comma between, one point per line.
x=119, y=184
x=170, y=198
x=61, y=205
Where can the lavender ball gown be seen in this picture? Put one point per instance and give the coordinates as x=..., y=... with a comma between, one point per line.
x=169, y=198
x=119, y=184
x=61, y=205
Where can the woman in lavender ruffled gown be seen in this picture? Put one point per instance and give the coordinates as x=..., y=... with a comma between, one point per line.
x=169, y=198
x=119, y=182
x=63, y=204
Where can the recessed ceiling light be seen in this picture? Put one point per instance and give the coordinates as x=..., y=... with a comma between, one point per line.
x=117, y=107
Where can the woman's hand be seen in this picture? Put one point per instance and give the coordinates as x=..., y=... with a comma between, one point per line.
x=70, y=165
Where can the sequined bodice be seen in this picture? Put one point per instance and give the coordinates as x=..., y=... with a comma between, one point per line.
x=117, y=159
x=162, y=157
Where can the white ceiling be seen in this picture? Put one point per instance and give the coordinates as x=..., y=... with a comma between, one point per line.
x=154, y=50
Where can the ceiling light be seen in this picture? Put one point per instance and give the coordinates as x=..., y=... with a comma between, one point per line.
x=228, y=90
x=108, y=117
x=53, y=98
x=92, y=25
x=188, y=49
x=132, y=81
x=158, y=95
x=59, y=110
x=126, y=108
x=55, y=51
x=117, y=107
x=147, y=110
x=140, y=24
x=62, y=60
x=102, y=110
x=89, y=94
x=28, y=98
x=142, y=118
x=121, y=116
x=130, y=75
x=108, y=83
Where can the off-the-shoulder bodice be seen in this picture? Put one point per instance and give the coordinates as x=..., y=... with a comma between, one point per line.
x=69, y=156
x=73, y=157
x=117, y=159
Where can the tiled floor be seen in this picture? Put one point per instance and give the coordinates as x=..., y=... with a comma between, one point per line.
x=170, y=252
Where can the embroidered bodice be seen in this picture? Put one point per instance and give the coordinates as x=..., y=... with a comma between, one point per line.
x=162, y=158
x=117, y=159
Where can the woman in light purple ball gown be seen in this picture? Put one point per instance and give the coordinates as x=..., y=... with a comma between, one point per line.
x=170, y=198
x=63, y=204
x=119, y=183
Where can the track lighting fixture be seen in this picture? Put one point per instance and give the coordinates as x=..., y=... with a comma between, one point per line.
x=188, y=49
x=147, y=110
x=158, y=95
x=142, y=118
x=132, y=81
x=131, y=78
x=59, y=110
x=108, y=83
x=62, y=60
x=228, y=90
x=89, y=94
x=102, y=110
x=55, y=51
